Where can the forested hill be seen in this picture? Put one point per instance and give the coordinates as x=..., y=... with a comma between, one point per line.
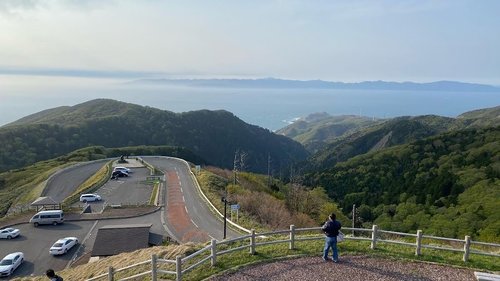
x=213, y=135
x=395, y=131
x=448, y=184
x=318, y=129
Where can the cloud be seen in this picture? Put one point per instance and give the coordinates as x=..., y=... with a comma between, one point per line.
x=19, y=7
x=82, y=73
x=13, y=7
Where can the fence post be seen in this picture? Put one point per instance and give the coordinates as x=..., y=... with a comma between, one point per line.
x=153, y=267
x=252, y=242
x=466, y=248
x=111, y=273
x=374, y=237
x=418, y=242
x=214, y=251
x=178, y=268
x=292, y=237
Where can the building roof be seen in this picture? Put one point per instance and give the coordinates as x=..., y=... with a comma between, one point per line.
x=114, y=239
x=41, y=201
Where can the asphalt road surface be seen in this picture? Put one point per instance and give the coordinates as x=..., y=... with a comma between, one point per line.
x=182, y=194
x=63, y=183
x=35, y=243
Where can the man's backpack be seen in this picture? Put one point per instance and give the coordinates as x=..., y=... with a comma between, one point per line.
x=58, y=278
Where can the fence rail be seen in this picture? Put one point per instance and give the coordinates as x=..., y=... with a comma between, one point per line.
x=210, y=252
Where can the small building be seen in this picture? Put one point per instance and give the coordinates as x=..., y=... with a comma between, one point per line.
x=45, y=203
x=115, y=239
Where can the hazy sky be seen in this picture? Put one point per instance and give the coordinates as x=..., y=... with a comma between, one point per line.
x=331, y=40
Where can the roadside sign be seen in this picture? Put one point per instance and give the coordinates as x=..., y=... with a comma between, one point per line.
x=235, y=207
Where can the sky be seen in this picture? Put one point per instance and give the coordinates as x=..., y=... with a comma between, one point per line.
x=405, y=40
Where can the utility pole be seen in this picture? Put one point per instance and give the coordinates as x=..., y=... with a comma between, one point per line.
x=235, y=165
x=269, y=170
x=353, y=217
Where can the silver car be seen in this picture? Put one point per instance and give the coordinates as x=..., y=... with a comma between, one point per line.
x=10, y=263
x=9, y=233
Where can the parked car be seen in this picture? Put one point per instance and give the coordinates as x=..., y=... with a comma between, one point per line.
x=48, y=217
x=118, y=174
x=9, y=233
x=10, y=262
x=62, y=246
x=89, y=197
x=123, y=169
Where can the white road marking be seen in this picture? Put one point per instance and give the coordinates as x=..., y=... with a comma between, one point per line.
x=180, y=183
x=186, y=209
x=183, y=199
x=194, y=223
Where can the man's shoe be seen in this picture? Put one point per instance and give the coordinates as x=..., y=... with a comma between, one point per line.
x=335, y=261
x=325, y=259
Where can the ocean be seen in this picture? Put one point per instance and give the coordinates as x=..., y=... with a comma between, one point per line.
x=268, y=108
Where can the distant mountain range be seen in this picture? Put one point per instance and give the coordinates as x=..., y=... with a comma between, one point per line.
x=273, y=83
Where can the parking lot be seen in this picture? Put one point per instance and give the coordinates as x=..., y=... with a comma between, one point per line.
x=130, y=190
x=35, y=243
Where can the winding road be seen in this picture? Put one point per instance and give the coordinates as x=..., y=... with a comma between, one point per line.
x=188, y=217
x=63, y=183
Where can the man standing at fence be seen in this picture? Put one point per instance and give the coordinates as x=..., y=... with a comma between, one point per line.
x=331, y=229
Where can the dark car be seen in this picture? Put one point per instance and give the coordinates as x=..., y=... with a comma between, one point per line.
x=118, y=174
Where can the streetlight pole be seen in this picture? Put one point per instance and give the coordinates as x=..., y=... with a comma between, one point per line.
x=225, y=215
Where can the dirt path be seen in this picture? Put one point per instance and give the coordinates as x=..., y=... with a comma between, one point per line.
x=349, y=268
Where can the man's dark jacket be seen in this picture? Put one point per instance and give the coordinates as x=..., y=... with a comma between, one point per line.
x=331, y=228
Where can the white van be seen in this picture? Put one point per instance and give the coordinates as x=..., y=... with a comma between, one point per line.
x=48, y=217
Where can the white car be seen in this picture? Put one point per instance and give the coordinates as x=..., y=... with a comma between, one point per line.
x=9, y=233
x=10, y=263
x=90, y=197
x=123, y=169
x=62, y=246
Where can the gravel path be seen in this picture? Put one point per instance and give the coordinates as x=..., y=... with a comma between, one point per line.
x=349, y=268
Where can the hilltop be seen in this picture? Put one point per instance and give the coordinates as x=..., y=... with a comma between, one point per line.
x=213, y=135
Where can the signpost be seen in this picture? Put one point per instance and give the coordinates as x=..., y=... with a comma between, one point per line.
x=235, y=207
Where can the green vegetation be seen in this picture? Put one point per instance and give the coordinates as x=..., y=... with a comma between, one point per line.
x=319, y=129
x=152, y=199
x=265, y=205
x=447, y=185
x=393, y=132
x=213, y=135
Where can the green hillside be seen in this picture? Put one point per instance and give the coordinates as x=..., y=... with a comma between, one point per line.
x=393, y=132
x=213, y=135
x=316, y=130
x=481, y=117
x=447, y=184
x=335, y=139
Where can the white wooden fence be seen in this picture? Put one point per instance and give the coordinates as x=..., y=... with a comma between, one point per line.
x=157, y=266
